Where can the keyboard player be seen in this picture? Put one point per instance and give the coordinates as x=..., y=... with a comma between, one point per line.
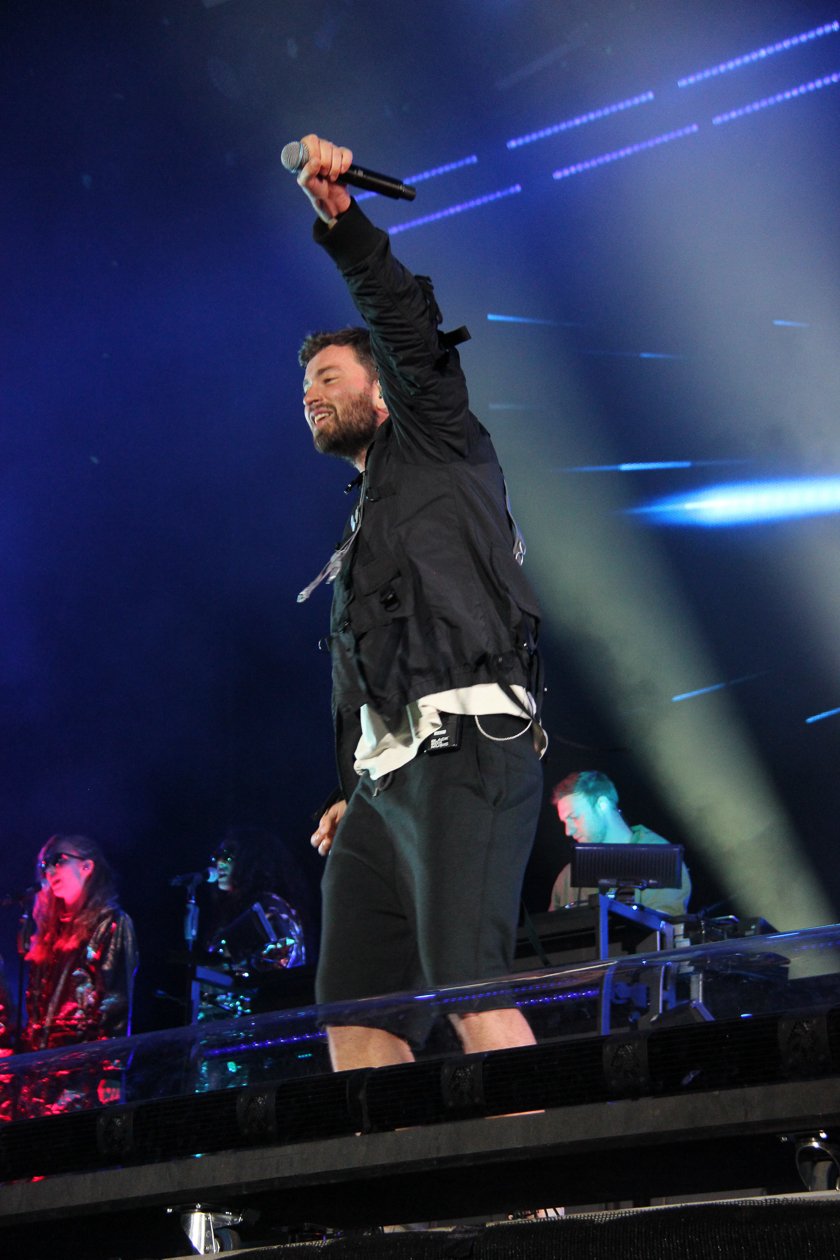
x=587, y=806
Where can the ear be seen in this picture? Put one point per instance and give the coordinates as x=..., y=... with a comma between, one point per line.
x=603, y=804
x=379, y=404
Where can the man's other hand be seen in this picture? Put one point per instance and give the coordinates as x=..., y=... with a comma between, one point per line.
x=324, y=835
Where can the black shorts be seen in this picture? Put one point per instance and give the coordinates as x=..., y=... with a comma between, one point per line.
x=422, y=886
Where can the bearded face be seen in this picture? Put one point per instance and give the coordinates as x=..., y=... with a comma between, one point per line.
x=345, y=428
x=342, y=404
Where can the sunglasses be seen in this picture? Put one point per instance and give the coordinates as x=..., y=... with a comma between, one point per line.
x=223, y=855
x=57, y=859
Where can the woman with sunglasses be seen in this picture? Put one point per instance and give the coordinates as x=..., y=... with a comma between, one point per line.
x=82, y=960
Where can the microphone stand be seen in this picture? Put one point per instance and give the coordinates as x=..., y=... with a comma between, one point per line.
x=191, y=914
x=23, y=939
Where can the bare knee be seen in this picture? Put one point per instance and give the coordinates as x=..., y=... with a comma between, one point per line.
x=354, y=1046
x=493, y=1030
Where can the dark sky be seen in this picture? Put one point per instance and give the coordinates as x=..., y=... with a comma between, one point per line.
x=160, y=503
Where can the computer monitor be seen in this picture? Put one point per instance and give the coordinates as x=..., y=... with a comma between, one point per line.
x=634, y=865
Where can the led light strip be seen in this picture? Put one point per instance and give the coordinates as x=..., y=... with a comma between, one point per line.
x=459, y=209
x=604, y=158
x=760, y=54
x=580, y=120
x=472, y=160
x=814, y=86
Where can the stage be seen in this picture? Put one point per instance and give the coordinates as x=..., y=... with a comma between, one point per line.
x=732, y=1092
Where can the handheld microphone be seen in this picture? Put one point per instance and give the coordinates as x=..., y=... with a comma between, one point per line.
x=295, y=155
x=210, y=876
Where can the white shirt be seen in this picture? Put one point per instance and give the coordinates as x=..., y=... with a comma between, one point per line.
x=382, y=749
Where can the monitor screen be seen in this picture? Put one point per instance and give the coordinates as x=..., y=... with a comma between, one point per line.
x=639, y=865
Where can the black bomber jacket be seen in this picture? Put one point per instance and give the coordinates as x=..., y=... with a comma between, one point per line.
x=431, y=595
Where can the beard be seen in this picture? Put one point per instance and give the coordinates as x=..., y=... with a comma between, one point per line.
x=349, y=429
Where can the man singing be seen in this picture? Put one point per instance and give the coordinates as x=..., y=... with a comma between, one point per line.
x=433, y=640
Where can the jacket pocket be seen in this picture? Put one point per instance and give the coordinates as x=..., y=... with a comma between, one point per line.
x=382, y=593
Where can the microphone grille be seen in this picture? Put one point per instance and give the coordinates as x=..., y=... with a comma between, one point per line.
x=294, y=156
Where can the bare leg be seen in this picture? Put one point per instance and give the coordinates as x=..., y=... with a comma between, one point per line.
x=354, y=1046
x=493, y=1030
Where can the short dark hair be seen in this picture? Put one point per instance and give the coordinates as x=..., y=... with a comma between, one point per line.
x=588, y=783
x=358, y=339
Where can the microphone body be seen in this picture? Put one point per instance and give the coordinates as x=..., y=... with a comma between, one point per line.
x=208, y=876
x=295, y=155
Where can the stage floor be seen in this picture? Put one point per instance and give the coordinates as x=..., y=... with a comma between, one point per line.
x=719, y=1075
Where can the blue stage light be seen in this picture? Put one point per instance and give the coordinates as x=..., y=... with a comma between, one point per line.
x=649, y=465
x=828, y=80
x=591, y=163
x=652, y=465
x=631, y=354
x=790, y=323
x=748, y=503
x=508, y=406
x=760, y=54
x=705, y=691
x=819, y=717
x=433, y=173
x=532, y=319
x=459, y=209
x=701, y=691
x=580, y=120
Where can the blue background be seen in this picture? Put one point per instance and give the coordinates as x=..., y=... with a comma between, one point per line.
x=160, y=502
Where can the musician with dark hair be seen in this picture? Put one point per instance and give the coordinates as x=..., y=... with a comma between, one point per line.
x=255, y=919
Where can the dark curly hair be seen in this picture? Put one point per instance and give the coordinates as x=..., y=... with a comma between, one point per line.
x=262, y=863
